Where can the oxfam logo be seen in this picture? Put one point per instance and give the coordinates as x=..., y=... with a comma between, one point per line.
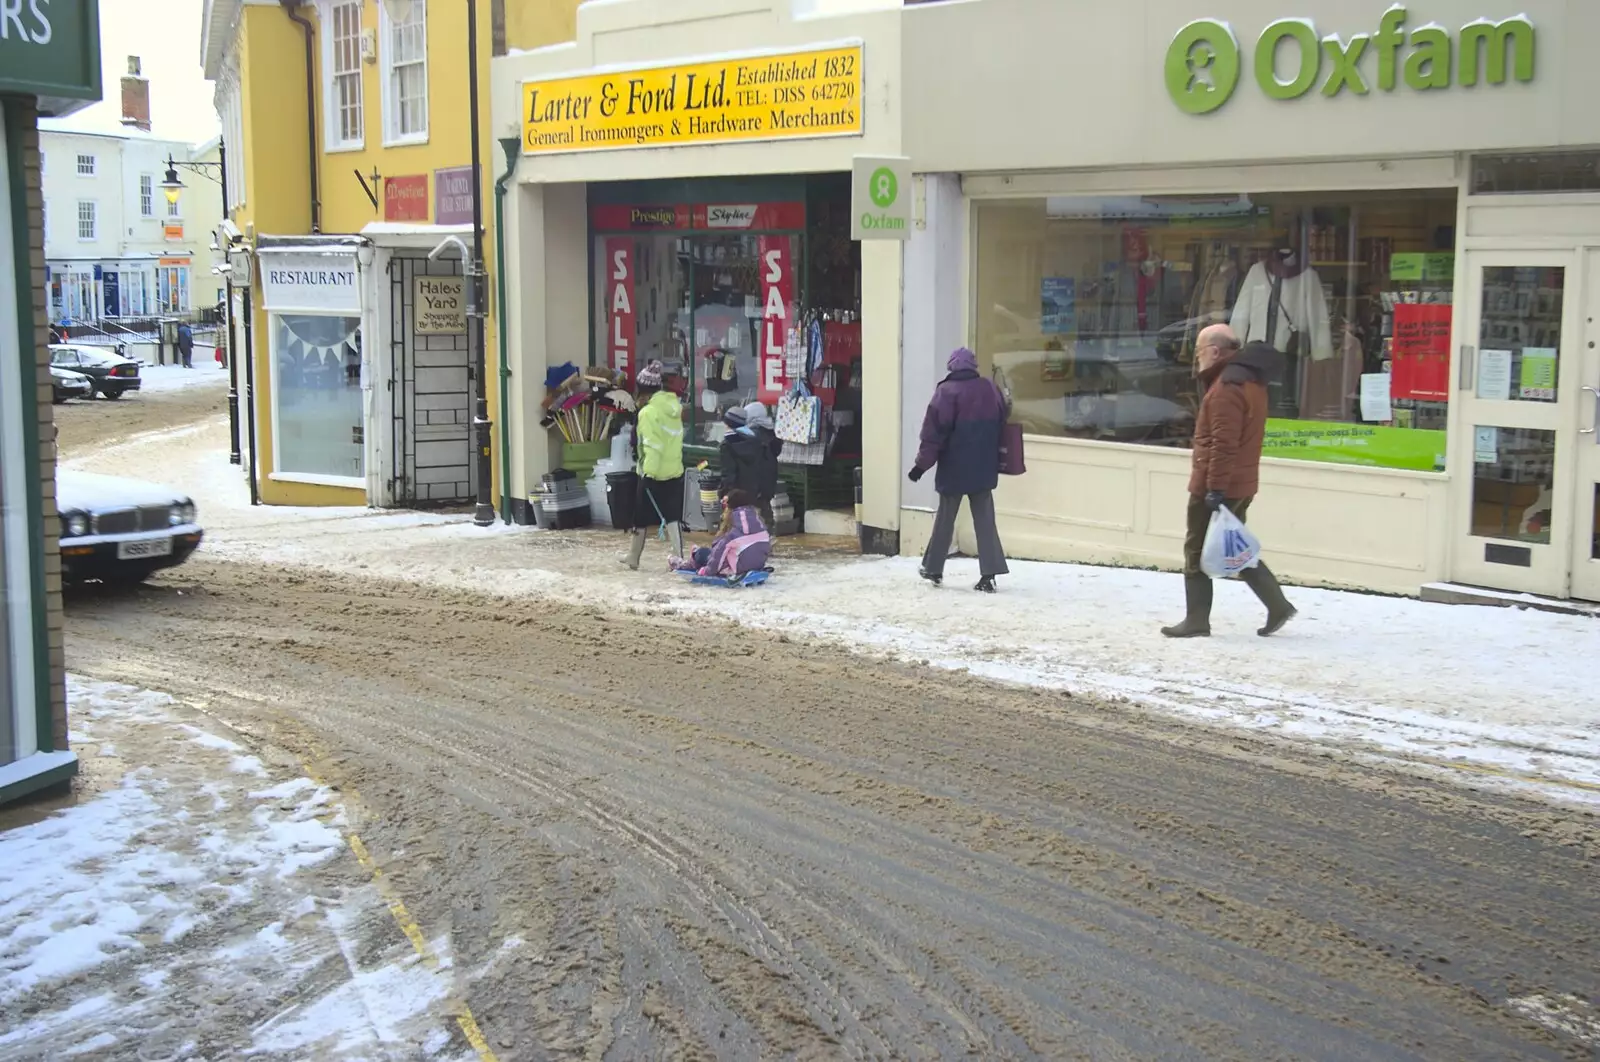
x=883, y=187
x=1202, y=66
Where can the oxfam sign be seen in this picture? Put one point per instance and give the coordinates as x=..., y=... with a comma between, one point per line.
x=1290, y=59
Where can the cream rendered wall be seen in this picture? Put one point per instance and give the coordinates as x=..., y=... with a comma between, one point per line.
x=1034, y=84
x=545, y=258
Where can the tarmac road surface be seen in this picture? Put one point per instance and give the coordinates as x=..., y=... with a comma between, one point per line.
x=651, y=840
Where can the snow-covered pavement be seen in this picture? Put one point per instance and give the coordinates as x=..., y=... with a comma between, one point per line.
x=198, y=902
x=1494, y=696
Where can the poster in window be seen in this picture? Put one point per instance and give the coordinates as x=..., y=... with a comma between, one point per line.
x=1421, y=352
x=776, y=264
x=619, y=295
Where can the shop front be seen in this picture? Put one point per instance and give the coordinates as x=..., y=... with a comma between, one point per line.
x=694, y=209
x=1391, y=195
x=49, y=66
x=309, y=385
x=360, y=376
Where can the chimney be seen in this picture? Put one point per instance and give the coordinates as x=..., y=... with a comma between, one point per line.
x=135, y=97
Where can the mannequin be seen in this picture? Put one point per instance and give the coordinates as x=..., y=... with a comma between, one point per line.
x=1299, y=307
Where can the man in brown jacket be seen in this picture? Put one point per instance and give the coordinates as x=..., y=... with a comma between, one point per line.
x=1226, y=469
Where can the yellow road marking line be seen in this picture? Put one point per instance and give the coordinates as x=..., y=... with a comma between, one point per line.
x=402, y=917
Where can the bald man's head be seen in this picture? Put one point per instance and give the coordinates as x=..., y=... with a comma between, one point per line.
x=1215, y=344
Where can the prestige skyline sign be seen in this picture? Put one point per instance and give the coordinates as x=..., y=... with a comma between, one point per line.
x=1291, y=58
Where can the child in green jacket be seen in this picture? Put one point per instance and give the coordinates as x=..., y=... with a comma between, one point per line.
x=659, y=442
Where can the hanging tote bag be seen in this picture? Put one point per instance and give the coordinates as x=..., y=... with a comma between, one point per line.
x=799, y=416
x=1011, y=461
x=1230, y=547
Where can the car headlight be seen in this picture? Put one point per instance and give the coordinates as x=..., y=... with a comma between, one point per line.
x=181, y=513
x=76, y=524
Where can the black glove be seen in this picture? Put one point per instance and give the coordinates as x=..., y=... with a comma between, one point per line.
x=1214, y=500
x=916, y=473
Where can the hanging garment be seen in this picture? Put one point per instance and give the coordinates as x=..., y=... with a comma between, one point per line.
x=1286, y=299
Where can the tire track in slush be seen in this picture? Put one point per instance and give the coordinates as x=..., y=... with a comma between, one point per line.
x=909, y=852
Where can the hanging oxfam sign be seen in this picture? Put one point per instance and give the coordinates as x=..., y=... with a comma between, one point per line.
x=1290, y=59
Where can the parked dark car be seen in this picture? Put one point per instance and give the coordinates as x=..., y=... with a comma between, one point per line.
x=65, y=384
x=113, y=374
x=122, y=530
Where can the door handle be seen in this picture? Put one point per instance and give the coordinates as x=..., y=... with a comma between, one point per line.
x=1596, y=423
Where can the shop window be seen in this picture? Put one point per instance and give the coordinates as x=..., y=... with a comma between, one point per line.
x=1087, y=310
x=698, y=305
x=172, y=289
x=317, y=419
x=1554, y=171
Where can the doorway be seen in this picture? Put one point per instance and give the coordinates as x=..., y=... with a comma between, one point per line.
x=1527, y=385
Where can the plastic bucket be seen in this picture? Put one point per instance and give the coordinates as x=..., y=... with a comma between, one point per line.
x=580, y=458
x=622, y=490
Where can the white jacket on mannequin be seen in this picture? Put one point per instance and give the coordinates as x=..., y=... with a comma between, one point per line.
x=1303, y=308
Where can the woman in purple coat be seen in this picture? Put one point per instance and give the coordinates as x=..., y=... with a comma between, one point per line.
x=961, y=435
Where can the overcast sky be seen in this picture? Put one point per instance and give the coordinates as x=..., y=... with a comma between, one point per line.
x=165, y=35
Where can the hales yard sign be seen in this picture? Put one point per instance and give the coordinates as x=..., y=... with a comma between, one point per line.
x=1291, y=58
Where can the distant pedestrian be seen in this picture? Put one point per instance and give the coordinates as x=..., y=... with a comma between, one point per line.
x=961, y=435
x=1225, y=469
x=659, y=441
x=186, y=344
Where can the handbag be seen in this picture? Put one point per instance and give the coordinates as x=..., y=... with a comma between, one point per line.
x=1291, y=346
x=1011, y=458
x=799, y=416
x=802, y=453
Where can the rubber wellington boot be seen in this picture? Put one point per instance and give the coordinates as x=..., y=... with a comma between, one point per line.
x=635, y=551
x=1261, y=580
x=1197, y=621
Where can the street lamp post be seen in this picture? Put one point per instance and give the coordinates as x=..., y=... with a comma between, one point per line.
x=477, y=311
x=171, y=187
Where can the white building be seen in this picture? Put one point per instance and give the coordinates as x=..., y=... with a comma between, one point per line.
x=115, y=248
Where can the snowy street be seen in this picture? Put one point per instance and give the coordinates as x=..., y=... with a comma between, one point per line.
x=845, y=815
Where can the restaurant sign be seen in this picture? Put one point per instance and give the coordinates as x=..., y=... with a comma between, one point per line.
x=813, y=93
x=50, y=49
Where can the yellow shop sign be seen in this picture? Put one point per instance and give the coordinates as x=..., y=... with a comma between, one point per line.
x=759, y=97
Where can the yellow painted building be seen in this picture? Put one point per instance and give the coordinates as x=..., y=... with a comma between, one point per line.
x=347, y=132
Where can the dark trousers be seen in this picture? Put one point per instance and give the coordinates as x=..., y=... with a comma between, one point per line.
x=991, y=555
x=1198, y=521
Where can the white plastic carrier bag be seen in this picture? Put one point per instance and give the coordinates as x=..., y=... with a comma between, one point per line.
x=1230, y=547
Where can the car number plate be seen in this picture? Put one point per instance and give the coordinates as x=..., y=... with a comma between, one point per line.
x=150, y=547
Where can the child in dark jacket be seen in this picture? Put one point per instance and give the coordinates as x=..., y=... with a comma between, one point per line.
x=742, y=546
x=749, y=458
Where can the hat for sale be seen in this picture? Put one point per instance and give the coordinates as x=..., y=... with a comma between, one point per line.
x=650, y=375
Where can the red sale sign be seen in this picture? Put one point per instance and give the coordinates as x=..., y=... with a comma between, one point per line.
x=776, y=265
x=620, y=332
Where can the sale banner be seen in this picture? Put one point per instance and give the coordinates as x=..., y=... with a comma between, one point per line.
x=620, y=331
x=776, y=265
x=1421, y=352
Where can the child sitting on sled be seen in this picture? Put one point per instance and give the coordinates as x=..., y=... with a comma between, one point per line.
x=742, y=544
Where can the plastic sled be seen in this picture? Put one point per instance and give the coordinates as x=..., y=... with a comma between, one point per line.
x=755, y=578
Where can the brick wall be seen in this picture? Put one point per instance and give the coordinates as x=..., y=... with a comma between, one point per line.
x=47, y=433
